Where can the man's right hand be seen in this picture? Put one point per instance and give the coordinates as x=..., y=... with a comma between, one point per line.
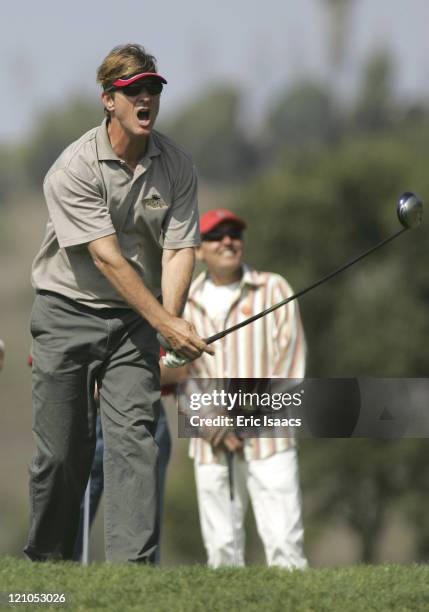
x=183, y=338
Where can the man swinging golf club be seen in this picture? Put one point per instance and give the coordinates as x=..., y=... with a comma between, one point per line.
x=123, y=224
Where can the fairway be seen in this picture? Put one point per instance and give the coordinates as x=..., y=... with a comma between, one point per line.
x=187, y=589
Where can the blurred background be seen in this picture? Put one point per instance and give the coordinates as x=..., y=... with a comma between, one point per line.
x=306, y=118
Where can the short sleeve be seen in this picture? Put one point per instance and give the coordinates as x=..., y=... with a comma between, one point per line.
x=76, y=207
x=181, y=225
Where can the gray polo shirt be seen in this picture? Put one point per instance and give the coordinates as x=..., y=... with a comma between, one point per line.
x=91, y=193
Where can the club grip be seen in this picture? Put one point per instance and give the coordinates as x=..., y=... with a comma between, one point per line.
x=163, y=342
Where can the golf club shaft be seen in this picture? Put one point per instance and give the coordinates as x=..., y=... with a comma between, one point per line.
x=231, y=483
x=255, y=317
x=229, y=462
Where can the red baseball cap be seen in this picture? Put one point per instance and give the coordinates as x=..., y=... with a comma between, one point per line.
x=124, y=81
x=213, y=218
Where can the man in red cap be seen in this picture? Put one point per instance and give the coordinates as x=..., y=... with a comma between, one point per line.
x=114, y=269
x=263, y=468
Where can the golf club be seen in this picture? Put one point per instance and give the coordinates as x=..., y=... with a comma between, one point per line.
x=410, y=213
x=230, y=462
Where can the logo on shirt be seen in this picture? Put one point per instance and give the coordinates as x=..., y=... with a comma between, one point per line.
x=154, y=201
x=246, y=310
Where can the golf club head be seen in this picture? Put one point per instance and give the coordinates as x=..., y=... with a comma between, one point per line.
x=410, y=210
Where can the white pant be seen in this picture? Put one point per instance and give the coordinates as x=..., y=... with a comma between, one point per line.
x=273, y=486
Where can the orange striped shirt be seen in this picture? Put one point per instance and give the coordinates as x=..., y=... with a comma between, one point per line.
x=273, y=346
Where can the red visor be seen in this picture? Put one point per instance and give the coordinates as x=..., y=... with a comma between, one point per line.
x=123, y=82
x=213, y=218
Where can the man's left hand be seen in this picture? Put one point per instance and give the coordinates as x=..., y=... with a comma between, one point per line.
x=173, y=360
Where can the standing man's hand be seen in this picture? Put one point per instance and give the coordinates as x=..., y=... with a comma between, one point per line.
x=232, y=443
x=223, y=439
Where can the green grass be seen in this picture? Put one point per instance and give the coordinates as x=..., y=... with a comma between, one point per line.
x=253, y=589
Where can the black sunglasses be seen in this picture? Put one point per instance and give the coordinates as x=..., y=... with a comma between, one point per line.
x=153, y=87
x=217, y=235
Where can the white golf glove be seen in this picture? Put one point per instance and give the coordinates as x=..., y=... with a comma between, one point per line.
x=173, y=360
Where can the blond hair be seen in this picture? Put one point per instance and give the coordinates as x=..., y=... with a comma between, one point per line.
x=124, y=60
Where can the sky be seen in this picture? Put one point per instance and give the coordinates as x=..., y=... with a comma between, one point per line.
x=49, y=50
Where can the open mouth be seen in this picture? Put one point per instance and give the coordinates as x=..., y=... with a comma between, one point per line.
x=143, y=115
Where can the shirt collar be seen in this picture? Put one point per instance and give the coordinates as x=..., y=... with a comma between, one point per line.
x=104, y=148
x=251, y=278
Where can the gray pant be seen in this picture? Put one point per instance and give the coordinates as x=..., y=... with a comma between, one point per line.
x=74, y=347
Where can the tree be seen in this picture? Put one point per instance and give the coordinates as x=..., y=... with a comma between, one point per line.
x=338, y=12
x=354, y=482
x=209, y=129
x=304, y=117
x=374, y=109
x=11, y=171
x=55, y=129
x=306, y=219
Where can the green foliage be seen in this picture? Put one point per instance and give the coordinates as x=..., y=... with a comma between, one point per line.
x=13, y=178
x=303, y=116
x=320, y=212
x=209, y=129
x=130, y=587
x=306, y=219
x=352, y=481
x=56, y=129
x=338, y=13
x=415, y=495
x=375, y=109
